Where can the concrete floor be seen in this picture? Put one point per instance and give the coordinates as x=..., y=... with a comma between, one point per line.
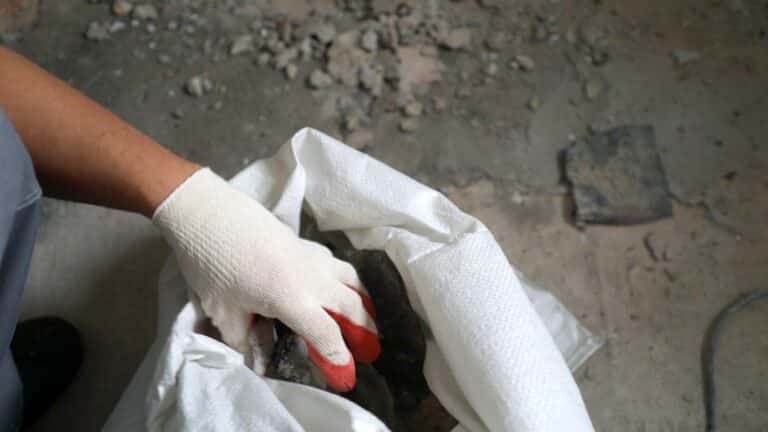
x=497, y=160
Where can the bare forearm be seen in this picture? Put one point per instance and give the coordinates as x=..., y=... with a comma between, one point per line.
x=81, y=151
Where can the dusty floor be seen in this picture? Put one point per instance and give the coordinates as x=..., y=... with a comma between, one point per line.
x=498, y=160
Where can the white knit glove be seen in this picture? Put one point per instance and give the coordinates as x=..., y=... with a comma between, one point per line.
x=240, y=260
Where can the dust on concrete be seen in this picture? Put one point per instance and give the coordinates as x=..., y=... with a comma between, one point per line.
x=478, y=140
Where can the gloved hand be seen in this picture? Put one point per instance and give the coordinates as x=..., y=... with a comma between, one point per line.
x=240, y=260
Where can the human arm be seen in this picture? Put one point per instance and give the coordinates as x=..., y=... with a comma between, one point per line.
x=237, y=258
x=81, y=151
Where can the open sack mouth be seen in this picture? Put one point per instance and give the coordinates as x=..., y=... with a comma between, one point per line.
x=393, y=387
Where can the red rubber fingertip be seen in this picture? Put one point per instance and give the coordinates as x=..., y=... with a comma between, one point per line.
x=363, y=343
x=340, y=377
x=367, y=302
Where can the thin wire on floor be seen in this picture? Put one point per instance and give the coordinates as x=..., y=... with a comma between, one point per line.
x=710, y=349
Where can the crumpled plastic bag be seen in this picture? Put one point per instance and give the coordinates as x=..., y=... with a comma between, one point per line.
x=498, y=351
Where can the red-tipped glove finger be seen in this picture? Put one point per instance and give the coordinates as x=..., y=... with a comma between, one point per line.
x=326, y=345
x=353, y=311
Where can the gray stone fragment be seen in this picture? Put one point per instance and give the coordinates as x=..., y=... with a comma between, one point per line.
x=263, y=58
x=682, y=57
x=319, y=79
x=145, y=11
x=291, y=70
x=241, y=44
x=372, y=78
x=409, y=125
x=617, y=177
x=525, y=63
x=593, y=88
x=97, y=31
x=197, y=86
x=286, y=57
x=122, y=7
x=369, y=41
x=533, y=103
x=413, y=109
x=458, y=39
x=322, y=31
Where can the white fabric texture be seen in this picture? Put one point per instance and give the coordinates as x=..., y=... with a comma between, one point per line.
x=239, y=260
x=498, y=351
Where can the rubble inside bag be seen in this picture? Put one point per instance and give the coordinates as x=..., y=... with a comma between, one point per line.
x=393, y=387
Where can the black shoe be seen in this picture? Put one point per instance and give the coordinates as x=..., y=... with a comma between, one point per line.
x=48, y=353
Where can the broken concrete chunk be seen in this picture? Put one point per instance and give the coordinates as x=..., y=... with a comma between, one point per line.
x=370, y=40
x=319, y=79
x=682, y=57
x=533, y=103
x=496, y=41
x=617, y=177
x=291, y=70
x=409, y=125
x=122, y=7
x=458, y=39
x=593, y=88
x=413, y=109
x=198, y=85
x=492, y=69
x=97, y=31
x=145, y=11
x=287, y=56
x=263, y=58
x=323, y=32
x=117, y=26
x=525, y=63
x=241, y=44
x=372, y=79
x=345, y=59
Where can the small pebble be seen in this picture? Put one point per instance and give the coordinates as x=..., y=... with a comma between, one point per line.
x=533, y=103
x=117, y=26
x=178, y=113
x=195, y=86
x=684, y=56
x=409, y=125
x=217, y=106
x=319, y=79
x=145, y=11
x=370, y=41
x=458, y=39
x=492, y=69
x=291, y=70
x=122, y=7
x=241, y=44
x=439, y=103
x=413, y=109
x=164, y=59
x=151, y=28
x=593, y=88
x=97, y=31
x=173, y=25
x=263, y=59
x=526, y=63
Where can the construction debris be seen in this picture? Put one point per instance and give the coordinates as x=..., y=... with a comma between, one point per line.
x=198, y=86
x=97, y=31
x=122, y=7
x=617, y=177
x=145, y=11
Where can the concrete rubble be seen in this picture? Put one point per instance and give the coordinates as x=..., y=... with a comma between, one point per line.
x=387, y=52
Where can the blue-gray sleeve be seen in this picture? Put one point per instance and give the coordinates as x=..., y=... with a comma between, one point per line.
x=19, y=212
